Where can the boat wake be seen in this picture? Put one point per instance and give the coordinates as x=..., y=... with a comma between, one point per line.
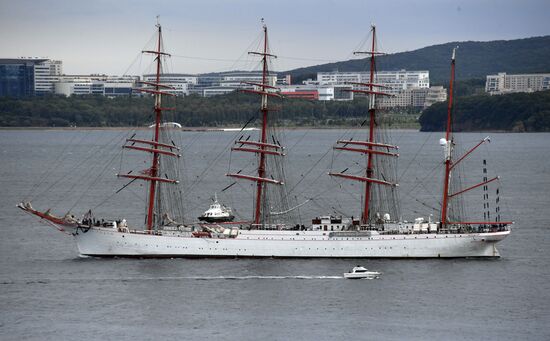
x=174, y=278
x=262, y=277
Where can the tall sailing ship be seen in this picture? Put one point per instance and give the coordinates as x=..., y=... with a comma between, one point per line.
x=377, y=233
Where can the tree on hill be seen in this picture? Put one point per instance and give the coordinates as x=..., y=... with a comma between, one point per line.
x=512, y=112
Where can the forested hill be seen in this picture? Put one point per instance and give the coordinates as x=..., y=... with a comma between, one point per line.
x=475, y=60
x=192, y=111
x=513, y=112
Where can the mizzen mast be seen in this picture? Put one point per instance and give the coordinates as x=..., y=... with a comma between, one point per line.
x=371, y=145
x=448, y=145
x=265, y=90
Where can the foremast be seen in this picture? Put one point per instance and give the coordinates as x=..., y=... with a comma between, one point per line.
x=155, y=147
x=262, y=148
x=371, y=146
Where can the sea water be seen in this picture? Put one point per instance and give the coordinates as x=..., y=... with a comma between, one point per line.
x=48, y=292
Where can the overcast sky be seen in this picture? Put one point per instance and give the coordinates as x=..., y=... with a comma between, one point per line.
x=105, y=36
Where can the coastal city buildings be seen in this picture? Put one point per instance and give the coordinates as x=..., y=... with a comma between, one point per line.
x=110, y=86
x=39, y=76
x=180, y=82
x=415, y=97
x=318, y=92
x=222, y=83
x=17, y=77
x=394, y=80
x=435, y=94
x=503, y=83
x=409, y=88
x=46, y=74
x=238, y=79
x=28, y=76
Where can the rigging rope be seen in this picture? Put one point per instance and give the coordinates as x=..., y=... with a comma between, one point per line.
x=49, y=170
x=117, y=140
x=414, y=157
x=61, y=161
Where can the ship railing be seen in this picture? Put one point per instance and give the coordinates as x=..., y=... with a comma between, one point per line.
x=468, y=228
x=351, y=234
x=268, y=226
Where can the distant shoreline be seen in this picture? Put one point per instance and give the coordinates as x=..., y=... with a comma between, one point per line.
x=229, y=128
x=233, y=129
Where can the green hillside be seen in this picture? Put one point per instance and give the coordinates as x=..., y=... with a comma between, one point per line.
x=192, y=111
x=475, y=60
x=513, y=112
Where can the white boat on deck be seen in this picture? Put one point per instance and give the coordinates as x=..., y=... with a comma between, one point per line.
x=217, y=213
x=361, y=272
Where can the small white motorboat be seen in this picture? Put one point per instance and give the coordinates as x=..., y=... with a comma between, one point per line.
x=360, y=272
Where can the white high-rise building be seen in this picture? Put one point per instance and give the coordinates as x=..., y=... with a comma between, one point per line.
x=435, y=94
x=414, y=97
x=110, y=86
x=179, y=81
x=46, y=73
x=409, y=88
x=223, y=83
x=396, y=81
x=502, y=83
x=238, y=79
x=317, y=92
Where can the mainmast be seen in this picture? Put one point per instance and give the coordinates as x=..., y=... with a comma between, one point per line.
x=371, y=144
x=372, y=122
x=263, y=148
x=158, y=114
x=155, y=147
x=263, y=109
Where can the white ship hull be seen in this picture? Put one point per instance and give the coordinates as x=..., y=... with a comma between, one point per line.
x=288, y=243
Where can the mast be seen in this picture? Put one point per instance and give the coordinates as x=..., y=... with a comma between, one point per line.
x=158, y=114
x=263, y=109
x=372, y=114
x=264, y=148
x=152, y=175
x=448, y=144
x=371, y=144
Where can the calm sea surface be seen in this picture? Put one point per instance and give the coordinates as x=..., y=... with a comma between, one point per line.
x=47, y=292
